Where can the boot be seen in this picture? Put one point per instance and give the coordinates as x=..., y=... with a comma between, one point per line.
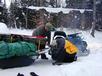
x=33, y=74
x=57, y=63
x=75, y=59
x=20, y=74
x=43, y=56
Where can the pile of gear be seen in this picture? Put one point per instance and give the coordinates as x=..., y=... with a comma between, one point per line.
x=18, y=51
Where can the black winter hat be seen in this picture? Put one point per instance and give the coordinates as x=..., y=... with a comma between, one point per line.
x=60, y=33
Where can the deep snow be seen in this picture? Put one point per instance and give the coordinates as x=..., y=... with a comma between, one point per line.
x=85, y=66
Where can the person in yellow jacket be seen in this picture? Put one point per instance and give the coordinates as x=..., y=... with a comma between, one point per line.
x=65, y=50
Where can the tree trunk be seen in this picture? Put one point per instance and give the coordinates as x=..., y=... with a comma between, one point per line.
x=94, y=19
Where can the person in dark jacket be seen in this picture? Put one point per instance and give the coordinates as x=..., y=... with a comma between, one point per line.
x=45, y=31
x=64, y=50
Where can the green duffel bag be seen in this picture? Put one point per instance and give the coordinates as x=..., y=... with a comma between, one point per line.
x=3, y=49
x=17, y=49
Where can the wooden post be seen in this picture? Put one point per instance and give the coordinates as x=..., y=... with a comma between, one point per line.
x=39, y=45
x=94, y=18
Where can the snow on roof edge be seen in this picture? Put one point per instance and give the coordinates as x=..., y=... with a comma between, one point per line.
x=56, y=10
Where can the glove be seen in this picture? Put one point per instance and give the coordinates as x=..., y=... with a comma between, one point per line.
x=54, y=43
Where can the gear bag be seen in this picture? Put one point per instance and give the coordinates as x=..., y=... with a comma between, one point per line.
x=21, y=48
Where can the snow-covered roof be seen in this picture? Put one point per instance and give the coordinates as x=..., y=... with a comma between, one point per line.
x=4, y=29
x=56, y=10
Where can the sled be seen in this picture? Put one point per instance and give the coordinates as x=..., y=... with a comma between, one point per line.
x=14, y=39
x=19, y=50
x=81, y=44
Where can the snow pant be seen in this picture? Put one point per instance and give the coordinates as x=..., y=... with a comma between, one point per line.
x=41, y=46
x=70, y=57
x=62, y=56
x=65, y=57
x=14, y=62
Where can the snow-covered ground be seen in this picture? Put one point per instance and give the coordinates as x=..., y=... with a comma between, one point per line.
x=85, y=66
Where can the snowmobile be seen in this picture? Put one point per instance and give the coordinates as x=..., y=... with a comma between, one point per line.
x=81, y=44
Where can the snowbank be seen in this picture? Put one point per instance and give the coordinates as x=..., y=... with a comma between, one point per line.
x=21, y=31
x=4, y=29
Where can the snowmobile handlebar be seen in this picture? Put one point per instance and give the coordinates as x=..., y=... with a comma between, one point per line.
x=74, y=35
